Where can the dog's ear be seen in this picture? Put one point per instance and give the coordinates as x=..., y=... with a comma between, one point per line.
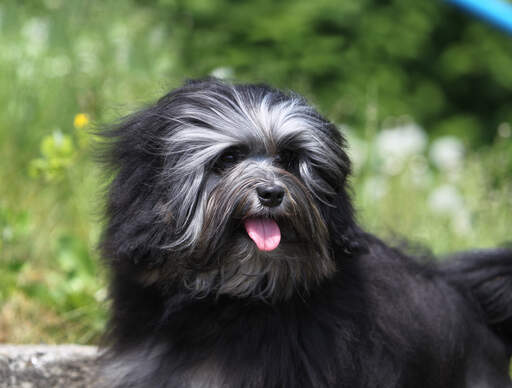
x=132, y=159
x=345, y=233
x=346, y=236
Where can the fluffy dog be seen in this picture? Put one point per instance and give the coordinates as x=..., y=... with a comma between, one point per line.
x=236, y=261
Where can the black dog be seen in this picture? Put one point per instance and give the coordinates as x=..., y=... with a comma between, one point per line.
x=236, y=261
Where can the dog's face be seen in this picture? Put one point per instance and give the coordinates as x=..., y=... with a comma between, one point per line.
x=240, y=191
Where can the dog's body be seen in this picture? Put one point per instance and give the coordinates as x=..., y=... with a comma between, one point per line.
x=236, y=261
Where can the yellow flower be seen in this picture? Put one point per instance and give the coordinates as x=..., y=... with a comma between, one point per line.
x=81, y=120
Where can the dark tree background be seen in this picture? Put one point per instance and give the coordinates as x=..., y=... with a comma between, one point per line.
x=423, y=58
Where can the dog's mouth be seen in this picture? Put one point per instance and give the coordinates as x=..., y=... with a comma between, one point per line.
x=264, y=232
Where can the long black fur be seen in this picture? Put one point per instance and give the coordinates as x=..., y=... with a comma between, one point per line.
x=196, y=304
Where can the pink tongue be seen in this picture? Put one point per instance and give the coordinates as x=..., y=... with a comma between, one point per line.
x=264, y=232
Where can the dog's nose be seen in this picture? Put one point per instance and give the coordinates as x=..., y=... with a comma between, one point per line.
x=270, y=195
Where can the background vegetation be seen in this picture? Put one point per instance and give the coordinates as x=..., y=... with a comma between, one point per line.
x=421, y=90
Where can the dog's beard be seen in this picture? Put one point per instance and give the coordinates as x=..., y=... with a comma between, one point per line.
x=225, y=260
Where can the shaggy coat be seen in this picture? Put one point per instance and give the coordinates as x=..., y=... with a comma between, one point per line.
x=204, y=184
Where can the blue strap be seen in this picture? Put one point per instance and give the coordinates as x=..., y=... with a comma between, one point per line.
x=497, y=12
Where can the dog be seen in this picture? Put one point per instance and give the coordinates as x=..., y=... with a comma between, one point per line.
x=236, y=260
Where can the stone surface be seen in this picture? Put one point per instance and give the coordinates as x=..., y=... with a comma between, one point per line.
x=47, y=366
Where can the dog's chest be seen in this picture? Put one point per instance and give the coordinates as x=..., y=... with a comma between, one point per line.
x=205, y=375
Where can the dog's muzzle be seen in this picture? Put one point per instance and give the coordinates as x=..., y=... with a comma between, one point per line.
x=270, y=195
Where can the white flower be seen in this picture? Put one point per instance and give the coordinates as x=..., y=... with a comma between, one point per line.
x=405, y=140
x=447, y=153
x=504, y=130
x=445, y=200
x=35, y=31
x=101, y=295
x=396, y=145
x=222, y=72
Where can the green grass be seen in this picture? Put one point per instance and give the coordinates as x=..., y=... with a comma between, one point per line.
x=65, y=58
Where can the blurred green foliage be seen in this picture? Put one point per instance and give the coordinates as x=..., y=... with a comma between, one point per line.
x=423, y=58
x=56, y=155
x=417, y=75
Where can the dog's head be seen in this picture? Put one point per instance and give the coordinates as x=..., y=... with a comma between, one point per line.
x=228, y=189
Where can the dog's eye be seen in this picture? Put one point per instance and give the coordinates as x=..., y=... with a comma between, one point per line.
x=285, y=158
x=229, y=158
